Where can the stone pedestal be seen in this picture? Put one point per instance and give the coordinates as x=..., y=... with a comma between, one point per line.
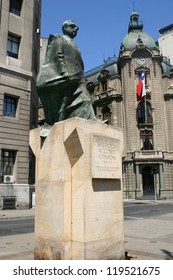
x=79, y=204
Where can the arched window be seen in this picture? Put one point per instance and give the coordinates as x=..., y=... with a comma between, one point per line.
x=106, y=114
x=144, y=113
x=90, y=87
x=103, y=77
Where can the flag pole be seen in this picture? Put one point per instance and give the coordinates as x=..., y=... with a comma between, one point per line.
x=145, y=110
x=145, y=101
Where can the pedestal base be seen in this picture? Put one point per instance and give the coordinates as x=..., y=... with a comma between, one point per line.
x=79, y=204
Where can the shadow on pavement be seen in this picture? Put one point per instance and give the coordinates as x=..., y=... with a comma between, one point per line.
x=168, y=254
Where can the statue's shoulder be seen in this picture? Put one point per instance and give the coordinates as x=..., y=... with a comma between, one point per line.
x=58, y=36
x=54, y=37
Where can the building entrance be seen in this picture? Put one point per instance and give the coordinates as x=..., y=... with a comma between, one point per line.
x=148, y=182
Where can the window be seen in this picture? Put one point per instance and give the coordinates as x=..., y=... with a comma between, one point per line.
x=13, y=46
x=103, y=78
x=7, y=163
x=144, y=115
x=15, y=7
x=106, y=113
x=90, y=87
x=10, y=106
x=146, y=140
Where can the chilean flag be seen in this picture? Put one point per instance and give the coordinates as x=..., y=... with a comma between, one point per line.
x=140, y=89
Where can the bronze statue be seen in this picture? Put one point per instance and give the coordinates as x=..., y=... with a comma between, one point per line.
x=60, y=82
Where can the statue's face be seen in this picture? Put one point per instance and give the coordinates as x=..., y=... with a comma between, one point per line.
x=71, y=29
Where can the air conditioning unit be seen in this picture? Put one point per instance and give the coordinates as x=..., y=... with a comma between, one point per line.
x=9, y=179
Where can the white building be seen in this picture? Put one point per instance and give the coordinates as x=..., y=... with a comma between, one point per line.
x=165, y=40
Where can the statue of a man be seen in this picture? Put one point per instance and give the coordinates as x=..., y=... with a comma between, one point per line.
x=60, y=82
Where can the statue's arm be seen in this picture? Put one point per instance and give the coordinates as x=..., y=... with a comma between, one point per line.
x=53, y=70
x=59, y=56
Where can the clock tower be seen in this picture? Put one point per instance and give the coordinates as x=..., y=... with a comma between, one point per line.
x=144, y=119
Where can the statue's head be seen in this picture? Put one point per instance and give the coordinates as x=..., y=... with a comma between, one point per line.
x=70, y=28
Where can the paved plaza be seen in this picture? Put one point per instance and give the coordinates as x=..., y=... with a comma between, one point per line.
x=148, y=238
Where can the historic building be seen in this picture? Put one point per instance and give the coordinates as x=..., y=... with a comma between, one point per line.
x=147, y=120
x=165, y=41
x=19, y=63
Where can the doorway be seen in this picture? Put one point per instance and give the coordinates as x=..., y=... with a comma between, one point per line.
x=148, y=182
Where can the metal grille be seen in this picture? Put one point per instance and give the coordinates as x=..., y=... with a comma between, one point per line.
x=9, y=202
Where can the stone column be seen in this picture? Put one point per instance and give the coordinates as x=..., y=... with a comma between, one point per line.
x=160, y=178
x=114, y=113
x=138, y=190
x=137, y=177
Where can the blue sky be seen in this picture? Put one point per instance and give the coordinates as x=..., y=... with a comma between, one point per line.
x=103, y=24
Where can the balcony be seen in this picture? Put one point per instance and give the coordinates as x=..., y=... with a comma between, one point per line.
x=108, y=93
x=148, y=155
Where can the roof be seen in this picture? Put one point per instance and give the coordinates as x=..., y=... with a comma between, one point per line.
x=130, y=40
x=136, y=34
x=166, y=28
x=110, y=65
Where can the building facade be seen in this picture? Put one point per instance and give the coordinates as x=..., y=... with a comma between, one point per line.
x=147, y=121
x=165, y=41
x=19, y=64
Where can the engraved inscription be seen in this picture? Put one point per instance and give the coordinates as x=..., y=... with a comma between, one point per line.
x=106, y=159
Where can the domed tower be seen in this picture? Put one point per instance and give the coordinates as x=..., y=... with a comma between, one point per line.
x=140, y=65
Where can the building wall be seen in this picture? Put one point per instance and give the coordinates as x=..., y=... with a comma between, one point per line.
x=17, y=80
x=144, y=160
x=169, y=126
x=167, y=191
x=165, y=41
x=14, y=132
x=129, y=180
x=43, y=47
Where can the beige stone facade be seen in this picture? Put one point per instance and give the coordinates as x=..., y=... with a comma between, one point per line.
x=19, y=63
x=148, y=163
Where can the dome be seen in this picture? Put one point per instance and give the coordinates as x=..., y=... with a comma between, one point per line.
x=131, y=39
x=136, y=35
